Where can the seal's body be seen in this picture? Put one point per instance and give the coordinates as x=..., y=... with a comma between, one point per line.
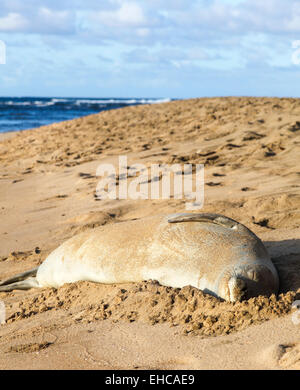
x=208, y=251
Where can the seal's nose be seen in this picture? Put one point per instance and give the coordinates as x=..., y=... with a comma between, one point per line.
x=237, y=289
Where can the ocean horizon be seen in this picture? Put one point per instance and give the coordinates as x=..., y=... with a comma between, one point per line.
x=23, y=113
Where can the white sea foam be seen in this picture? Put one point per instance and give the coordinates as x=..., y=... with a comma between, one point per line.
x=43, y=104
x=55, y=100
x=79, y=102
x=12, y=103
x=121, y=101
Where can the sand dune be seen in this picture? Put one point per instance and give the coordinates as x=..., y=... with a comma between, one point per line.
x=250, y=148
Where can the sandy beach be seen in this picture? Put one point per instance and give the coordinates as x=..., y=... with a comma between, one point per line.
x=250, y=149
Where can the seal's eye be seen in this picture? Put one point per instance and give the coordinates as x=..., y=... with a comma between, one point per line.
x=252, y=275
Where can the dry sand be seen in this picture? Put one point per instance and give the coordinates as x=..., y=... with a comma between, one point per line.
x=250, y=148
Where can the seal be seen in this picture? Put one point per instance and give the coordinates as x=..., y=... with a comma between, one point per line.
x=211, y=252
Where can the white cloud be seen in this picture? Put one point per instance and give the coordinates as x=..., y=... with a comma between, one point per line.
x=53, y=21
x=164, y=58
x=143, y=32
x=293, y=24
x=33, y=19
x=157, y=38
x=48, y=15
x=151, y=21
x=129, y=14
x=12, y=22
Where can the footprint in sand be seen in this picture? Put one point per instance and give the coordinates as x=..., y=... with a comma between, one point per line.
x=263, y=222
x=295, y=127
x=252, y=135
x=290, y=356
x=86, y=175
x=213, y=184
x=284, y=355
x=28, y=348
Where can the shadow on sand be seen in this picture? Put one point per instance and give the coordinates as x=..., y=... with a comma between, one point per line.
x=286, y=258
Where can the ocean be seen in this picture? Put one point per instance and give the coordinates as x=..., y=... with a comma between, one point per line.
x=29, y=112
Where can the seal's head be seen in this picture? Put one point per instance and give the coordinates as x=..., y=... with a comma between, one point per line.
x=245, y=282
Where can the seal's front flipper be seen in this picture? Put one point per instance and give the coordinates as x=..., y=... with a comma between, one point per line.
x=204, y=217
x=217, y=219
x=22, y=285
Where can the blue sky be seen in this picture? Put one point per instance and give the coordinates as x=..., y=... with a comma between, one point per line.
x=150, y=48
